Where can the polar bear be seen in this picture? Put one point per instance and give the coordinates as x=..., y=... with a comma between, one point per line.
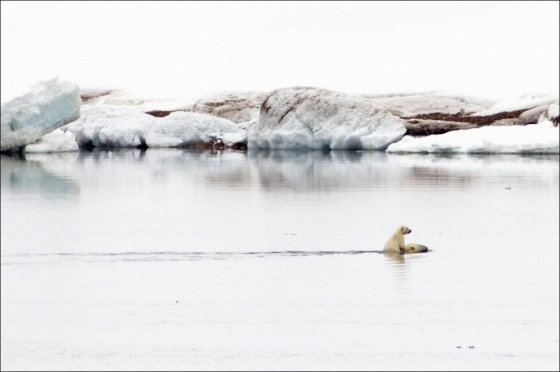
x=395, y=244
x=415, y=248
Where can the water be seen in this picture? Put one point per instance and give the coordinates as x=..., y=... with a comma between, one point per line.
x=183, y=260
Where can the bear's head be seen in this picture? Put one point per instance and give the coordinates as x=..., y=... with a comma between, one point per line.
x=405, y=230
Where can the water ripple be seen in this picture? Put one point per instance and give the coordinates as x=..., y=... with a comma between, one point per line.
x=27, y=258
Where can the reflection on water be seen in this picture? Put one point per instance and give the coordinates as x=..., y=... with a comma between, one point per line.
x=31, y=177
x=57, y=174
x=25, y=259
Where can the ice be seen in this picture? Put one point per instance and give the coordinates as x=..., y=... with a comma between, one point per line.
x=309, y=118
x=551, y=114
x=55, y=141
x=406, y=105
x=110, y=126
x=49, y=105
x=313, y=118
x=517, y=103
x=553, y=111
x=239, y=107
x=533, y=138
x=125, y=99
x=291, y=118
x=114, y=126
x=183, y=129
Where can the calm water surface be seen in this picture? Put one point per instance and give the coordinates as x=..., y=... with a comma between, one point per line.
x=182, y=260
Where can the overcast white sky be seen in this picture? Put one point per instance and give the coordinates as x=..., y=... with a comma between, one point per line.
x=185, y=49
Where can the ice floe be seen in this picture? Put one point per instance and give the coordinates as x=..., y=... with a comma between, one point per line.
x=310, y=118
x=110, y=126
x=517, y=103
x=551, y=114
x=533, y=138
x=409, y=105
x=56, y=141
x=123, y=99
x=299, y=118
x=184, y=129
x=240, y=107
x=113, y=126
x=49, y=105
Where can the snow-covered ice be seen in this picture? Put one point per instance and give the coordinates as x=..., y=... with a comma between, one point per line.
x=240, y=107
x=551, y=114
x=48, y=105
x=56, y=141
x=124, y=99
x=114, y=126
x=299, y=118
x=290, y=118
x=182, y=129
x=533, y=138
x=553, y=111
x=405, y=105
x=309, y=118
x=110, y=126
x=517, y=103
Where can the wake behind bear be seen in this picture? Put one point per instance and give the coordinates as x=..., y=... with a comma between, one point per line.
x=395, y=244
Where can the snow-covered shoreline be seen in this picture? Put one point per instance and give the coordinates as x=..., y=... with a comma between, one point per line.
x=300, y=118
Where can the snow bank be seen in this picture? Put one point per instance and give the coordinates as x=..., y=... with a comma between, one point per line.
x=309, y=118
x=55, y=141
x=534, y=138
x=47, y=106
x=112, y=126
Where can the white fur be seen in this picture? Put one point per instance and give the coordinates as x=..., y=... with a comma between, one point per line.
x=395, y=244
x=396, y=241
x=415, y=248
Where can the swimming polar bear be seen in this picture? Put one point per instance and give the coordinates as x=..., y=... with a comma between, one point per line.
x=395, y=244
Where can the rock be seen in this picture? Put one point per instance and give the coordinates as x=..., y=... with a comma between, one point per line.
x=49, y=105
x=310, y=118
